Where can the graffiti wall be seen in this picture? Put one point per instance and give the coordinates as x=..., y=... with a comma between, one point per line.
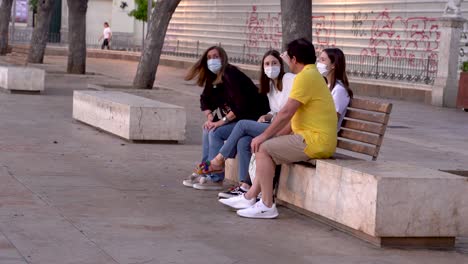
x=399, y=30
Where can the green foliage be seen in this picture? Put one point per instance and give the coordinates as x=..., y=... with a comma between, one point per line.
x=33, y=5
x=465, y=66
x=141, y=10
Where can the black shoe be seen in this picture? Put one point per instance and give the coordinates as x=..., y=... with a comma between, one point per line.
x=234, y=191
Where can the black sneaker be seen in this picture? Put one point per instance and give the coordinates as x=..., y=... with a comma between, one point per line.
x=234, y=191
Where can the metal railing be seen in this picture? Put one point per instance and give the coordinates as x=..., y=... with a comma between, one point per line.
x=408, y=70
x=401, y=69
x=415, y=70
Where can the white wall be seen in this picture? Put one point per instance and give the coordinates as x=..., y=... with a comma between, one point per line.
x=99, y=11
x=397, y=29
x=121, y=22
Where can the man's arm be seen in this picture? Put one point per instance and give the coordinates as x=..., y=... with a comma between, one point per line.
x=285, y=131
x=281, y=120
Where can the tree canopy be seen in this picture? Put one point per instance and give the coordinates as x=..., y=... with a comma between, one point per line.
x=33, y=5
x=141, y=10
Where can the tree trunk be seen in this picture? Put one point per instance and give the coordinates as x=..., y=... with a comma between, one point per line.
x=40, y=34
x=5, y=15
x=296, y=20
x=77, y=36
x=149, y=61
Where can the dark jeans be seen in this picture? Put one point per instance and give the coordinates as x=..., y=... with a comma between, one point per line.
x=105, y=43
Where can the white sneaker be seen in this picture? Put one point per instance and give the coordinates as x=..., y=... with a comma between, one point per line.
x=238, y=202
x=192, y=179
x=259, y=210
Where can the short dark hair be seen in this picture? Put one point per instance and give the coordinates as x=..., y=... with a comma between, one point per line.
x=105, y=23
x=303, y=50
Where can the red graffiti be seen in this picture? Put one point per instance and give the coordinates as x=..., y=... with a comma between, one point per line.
x=263, y=31
x=324, y=32
x=398, y=38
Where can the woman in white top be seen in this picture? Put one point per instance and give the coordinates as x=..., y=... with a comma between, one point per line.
x=332, y=65
x=277, y=85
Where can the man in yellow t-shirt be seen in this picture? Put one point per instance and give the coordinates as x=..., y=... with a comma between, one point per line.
x=311, y=117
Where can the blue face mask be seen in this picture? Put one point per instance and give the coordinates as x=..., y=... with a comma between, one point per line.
x=214, y=65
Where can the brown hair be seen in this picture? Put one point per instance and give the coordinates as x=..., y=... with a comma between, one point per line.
x=200, y=69
x=337, y=58
x=264, y=80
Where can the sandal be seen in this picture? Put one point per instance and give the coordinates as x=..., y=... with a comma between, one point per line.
x=207, y=168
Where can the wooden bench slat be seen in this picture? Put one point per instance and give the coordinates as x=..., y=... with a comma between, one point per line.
x=359, y=136
x=355, y=147
x=362, y=126
x=370, y=105
x=366, y=116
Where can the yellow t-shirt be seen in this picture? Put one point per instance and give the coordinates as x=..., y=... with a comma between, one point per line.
x=315, y=120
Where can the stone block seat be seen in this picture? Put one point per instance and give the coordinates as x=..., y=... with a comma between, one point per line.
x=129, y=116
x=21, y=79
x=388, y=204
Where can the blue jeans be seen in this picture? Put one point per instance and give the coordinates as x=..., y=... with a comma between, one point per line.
x=240, y=139
x=212, y=142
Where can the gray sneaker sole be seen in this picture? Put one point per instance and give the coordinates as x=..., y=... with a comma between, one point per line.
x=187, y=183
x=260, y=216
x=207, y=188
x=233, y=208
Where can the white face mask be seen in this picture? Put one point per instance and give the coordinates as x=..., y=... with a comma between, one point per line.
x=272, y=71
x=214, y=65
x=322, y=68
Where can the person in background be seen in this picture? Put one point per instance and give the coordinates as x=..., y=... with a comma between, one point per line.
x=106, y=35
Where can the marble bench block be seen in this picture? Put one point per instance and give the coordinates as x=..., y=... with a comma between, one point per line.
x=22, y=79
x=380, y=199
x=231, y=170
x=129, y=116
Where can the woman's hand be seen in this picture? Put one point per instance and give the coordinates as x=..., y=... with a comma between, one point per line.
x=262, y=119
x=217, y=124
x=265, y=118
x=208, y=125
x=210, y=117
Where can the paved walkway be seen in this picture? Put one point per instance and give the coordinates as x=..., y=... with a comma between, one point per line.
x=72, y=194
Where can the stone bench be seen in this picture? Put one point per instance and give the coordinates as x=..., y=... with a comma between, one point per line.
x=385, y=203
x=22, y=79
x=129, y=116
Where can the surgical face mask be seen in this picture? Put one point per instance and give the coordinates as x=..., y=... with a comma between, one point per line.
x=322, y=68
x=214, y=65
x=272, y=71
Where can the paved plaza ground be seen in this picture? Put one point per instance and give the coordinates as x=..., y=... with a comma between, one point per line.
x=72, y=194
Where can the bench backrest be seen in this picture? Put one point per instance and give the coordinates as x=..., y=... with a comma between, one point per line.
x=364, y=126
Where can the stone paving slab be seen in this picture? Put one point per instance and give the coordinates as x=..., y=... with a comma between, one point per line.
x=39, y=231
x=128, y=200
